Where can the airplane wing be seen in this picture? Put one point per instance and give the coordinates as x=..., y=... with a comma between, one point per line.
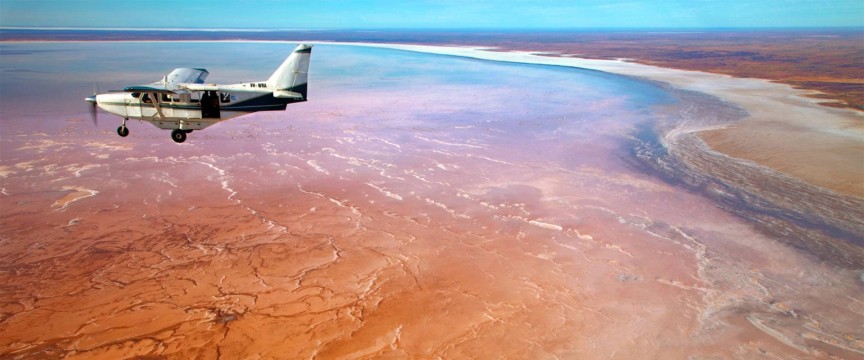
x=148, y=89
x=184, y=76
x=171, y=82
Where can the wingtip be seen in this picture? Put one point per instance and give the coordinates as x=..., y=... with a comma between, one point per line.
x=303, y=48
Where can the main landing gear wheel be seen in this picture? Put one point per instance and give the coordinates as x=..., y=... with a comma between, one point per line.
x=123, y=131
x=178, y=136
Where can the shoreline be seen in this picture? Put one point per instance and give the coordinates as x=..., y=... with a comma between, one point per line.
x=784, y=130
x=806, y=58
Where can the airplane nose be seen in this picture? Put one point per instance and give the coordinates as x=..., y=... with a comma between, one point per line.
x=93, y=112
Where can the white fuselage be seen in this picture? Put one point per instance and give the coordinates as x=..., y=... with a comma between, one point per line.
x=191, y=109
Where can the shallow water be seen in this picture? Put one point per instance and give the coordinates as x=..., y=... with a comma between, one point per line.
x=417, y=206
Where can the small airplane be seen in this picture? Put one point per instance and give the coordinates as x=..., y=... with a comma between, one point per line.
x=182, y=102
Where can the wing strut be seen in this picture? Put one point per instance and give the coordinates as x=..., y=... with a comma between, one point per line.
x=156, y=101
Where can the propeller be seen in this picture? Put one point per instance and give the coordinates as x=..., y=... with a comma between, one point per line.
x=94, y=113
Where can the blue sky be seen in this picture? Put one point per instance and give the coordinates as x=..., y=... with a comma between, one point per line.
x=331, y=14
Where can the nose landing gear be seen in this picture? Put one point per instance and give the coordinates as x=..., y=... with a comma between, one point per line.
x=123, y=131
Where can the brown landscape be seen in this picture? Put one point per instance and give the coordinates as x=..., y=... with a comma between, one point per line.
x=456, y=222
x=829, y=62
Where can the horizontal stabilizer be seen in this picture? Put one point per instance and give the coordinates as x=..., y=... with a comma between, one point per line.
x=285, y=94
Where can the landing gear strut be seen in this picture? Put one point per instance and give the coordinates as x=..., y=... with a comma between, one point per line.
x=178, y=135
x=123, y=131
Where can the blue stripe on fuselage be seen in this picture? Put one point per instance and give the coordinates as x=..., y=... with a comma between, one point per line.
x=265, y=102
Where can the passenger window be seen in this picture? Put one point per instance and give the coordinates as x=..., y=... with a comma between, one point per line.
x=225, y=97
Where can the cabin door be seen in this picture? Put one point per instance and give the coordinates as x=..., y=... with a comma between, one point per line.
x=133, y=106
x=210, y=105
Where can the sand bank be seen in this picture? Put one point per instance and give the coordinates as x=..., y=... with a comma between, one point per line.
x=785, y=130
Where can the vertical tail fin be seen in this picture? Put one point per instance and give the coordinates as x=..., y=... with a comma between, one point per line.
x=293, y=74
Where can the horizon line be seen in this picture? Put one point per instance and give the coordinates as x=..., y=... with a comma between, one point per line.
x=191, y=29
